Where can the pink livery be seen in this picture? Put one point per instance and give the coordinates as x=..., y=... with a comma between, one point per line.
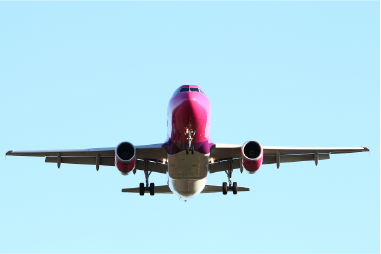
x=188, y=155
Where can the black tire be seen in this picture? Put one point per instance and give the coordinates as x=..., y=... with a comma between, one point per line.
x=141, y=189
x=235, y=188
x=152, y=189
x=192, y=149
x=224, y=188
x=187, y=150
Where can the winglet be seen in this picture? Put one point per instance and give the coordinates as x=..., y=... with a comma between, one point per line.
x=366, y=149
x=8, y=153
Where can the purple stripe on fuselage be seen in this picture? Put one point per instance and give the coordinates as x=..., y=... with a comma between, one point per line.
x=188, y=110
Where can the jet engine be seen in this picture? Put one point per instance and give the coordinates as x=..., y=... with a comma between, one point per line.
x=125, y=157
x=252, y=156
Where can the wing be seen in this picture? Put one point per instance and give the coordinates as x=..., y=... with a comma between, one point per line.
x=101, y=156
x=275, y=154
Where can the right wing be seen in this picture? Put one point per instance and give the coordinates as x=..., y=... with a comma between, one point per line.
x=101, y=156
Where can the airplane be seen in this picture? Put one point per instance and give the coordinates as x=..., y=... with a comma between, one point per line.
x=188, y=154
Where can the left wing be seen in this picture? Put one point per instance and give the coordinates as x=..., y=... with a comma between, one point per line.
x=220, y=153
x=101, y=156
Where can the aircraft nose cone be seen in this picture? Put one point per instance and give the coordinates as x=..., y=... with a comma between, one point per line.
x=191, y=96
x=190, y=111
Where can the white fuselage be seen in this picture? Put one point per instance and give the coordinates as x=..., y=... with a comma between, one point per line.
x=187, y=173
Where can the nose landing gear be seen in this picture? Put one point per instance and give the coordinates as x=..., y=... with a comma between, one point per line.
x=191, y=149
x=189, y=133
x=229, y=173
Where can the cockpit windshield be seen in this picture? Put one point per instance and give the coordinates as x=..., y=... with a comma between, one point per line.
x=189, y=89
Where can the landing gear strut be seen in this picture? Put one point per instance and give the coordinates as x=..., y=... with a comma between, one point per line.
x=189, y=133
x=151, y=187
x=191, y=149
x=229, y=173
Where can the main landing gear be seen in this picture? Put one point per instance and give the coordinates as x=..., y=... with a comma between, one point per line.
x=151, y=187
x=229, y=173
x=189, y=133
x=226, y=188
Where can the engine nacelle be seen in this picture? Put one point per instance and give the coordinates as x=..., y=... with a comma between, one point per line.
x=252, y=156
x=125, y=157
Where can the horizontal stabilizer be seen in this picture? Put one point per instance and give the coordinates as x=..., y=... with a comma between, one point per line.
x=218, y=189
x=164, y=189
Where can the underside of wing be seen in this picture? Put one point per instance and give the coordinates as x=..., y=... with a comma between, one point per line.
x=154, y=154
x=109, y=151
x=221, y=154
x=223, y=151
x=272, y=150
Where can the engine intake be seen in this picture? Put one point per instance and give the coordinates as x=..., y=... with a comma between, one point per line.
x=125, y=157
x=252, y=156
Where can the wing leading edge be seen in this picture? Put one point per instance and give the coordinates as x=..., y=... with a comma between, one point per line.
x=275, y=154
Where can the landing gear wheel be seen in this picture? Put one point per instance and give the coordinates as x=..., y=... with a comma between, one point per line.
x=235, y=188
x=142, y=189
x=152, y=189
x=187, y=150
x=192, y=149
x=224, y=188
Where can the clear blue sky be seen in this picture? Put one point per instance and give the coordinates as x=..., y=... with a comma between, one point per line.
x=93, y=74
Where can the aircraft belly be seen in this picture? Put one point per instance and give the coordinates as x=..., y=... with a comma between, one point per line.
x=187, y=173
x=188, y=166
